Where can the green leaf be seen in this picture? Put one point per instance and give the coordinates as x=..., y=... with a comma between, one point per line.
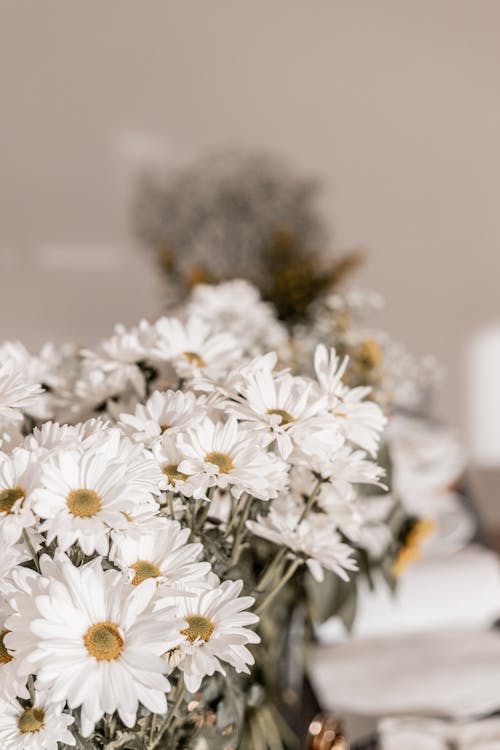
x=215, y=740
x=269, y=728
x=347, y=612
x=127, y=739
x=386, y=571
x=232, y=708
x=328, y=597
x=83, y=743
x=258, y=738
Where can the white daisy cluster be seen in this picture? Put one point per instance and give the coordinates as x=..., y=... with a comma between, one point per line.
x=151, y=491
x=399, y=379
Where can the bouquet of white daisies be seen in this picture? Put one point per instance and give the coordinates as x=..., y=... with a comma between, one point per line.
x=167, y=502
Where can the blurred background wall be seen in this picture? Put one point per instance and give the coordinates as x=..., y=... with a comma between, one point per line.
x=395, y=104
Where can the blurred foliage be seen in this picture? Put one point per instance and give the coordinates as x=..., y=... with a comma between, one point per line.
x=241, y=215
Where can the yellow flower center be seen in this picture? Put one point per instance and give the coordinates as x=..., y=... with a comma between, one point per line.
x=405, y=557
x=222, y=460
x=199, y=627
x=422, y=528
x=411, y=549
x=9, y=497
x=144, y=569
x=172, y=472
x=370, y=353
x=31, y=720
x=103, y=641
x=286, y=417
x=83, y=503
x=5, y=657
x=164, y=428
x=195, y=359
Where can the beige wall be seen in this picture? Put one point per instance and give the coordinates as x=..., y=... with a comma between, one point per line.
x=395, y=103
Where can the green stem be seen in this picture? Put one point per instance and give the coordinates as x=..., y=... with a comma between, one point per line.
x=310, y=502
x=112, y=726
x=234, y=518
x=237, y=543
x=191, y=508
x=272, y=569
x=195, y=511
x=276, y=563
x=181, y=691
x=206, y=510
x=171, y=716
x=171, y=506
x=152, y=729
x=275, y=591
x=31, y=689
x=31, y=549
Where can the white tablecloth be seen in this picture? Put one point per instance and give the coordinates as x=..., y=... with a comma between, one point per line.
x=453, y=591
x=443, y=674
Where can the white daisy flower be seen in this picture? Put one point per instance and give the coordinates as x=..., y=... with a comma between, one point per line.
x=168, y=456
x=10, y=557
x=231, y=385
x=58, y=367
x=375, y=534
x=342, y=511
x=315, y=538
x=164, y=555
x=83, y=496
x=143, y=473
x=51, y=435
x=121, y=368
x=22, y=610
x=225, y=455
x=17, y=393
x=163, y=412
x=25, y=362
x=428, y=460
x=145, y=520
x=96, y=386
x=11, y=684
x=126, y=345
x=194, y=350
x=287, y=409
x=347, y=467
x=236, y=307
x=362, y=519
x=33, y=370
x=38, y=726
x=18, y=477
x=112, y=370
x=99, y=643
x=214, y=631
x=362, y=422
x=93, y=429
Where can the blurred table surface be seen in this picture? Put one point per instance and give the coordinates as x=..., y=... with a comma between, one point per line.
x=482, y=492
